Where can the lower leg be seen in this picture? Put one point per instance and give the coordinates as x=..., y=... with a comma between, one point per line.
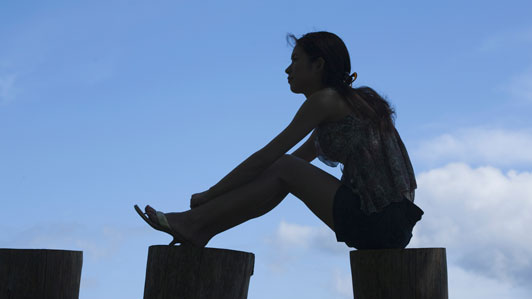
x=233, y=208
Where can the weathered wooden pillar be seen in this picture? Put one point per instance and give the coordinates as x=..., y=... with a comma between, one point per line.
x=40, y=273
x=189, y=272
x=416, y=273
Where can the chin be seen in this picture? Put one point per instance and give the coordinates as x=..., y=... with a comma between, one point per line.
x=294, y=90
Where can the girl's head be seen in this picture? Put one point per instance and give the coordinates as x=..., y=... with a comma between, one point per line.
x=320, y=59
x=322, y=55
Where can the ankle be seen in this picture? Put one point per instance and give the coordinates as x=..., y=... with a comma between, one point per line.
x=194, y=230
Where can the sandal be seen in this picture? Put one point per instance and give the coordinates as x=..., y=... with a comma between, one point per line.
x=163, y=225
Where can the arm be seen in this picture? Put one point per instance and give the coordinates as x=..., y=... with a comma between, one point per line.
x=307, y=151
x=312, y=112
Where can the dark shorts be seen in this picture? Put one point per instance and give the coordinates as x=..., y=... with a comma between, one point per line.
x=389, y=228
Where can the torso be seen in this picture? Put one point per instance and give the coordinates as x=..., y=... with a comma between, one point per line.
x=376, y=166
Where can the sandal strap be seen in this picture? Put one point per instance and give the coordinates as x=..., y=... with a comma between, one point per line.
x=162, y=220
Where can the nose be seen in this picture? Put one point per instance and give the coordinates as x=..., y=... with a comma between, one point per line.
x=287, y=70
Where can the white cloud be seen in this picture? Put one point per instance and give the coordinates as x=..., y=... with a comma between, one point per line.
x=496, y=147
x=465, y=284
x=294, y=235
x=291, y=236
x=482, y=216
x=293, y=243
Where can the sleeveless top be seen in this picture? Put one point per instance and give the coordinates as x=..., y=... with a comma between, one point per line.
x=376, y=165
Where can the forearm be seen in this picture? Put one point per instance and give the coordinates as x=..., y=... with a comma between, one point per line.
x=242, y=174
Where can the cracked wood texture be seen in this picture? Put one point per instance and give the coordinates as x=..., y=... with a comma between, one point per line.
x=415, y=273
x=190, y=272
x=40, y=273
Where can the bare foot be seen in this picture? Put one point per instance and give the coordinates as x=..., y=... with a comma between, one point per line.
x=179, y=224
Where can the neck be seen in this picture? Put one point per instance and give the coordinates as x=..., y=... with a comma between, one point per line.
x=312, y=89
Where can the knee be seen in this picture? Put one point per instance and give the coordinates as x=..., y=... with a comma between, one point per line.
x=277, y=169
x=285, y=165
x=280, y=164
x=285, y=160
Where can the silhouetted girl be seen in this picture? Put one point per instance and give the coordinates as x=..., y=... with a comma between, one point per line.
x=371, y=206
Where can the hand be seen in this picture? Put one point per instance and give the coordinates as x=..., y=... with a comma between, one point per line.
x=198, y=199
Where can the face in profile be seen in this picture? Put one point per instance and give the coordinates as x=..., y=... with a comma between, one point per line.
x=300, y=75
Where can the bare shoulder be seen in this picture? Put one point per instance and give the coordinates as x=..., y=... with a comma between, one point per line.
x=329, y=102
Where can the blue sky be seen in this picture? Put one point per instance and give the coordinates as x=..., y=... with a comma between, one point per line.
x=107, y=104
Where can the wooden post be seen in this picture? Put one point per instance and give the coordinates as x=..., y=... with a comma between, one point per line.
x=399, y=273
x=190, y=272
x=40, y=273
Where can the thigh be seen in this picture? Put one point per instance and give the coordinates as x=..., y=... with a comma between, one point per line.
x=315, y=187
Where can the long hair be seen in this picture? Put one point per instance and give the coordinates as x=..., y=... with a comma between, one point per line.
x=365, y=101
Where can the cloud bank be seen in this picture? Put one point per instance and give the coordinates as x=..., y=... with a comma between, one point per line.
x=496, y=147
x=482, y=216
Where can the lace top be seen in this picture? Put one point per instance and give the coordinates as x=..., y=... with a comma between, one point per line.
x=375, y=166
